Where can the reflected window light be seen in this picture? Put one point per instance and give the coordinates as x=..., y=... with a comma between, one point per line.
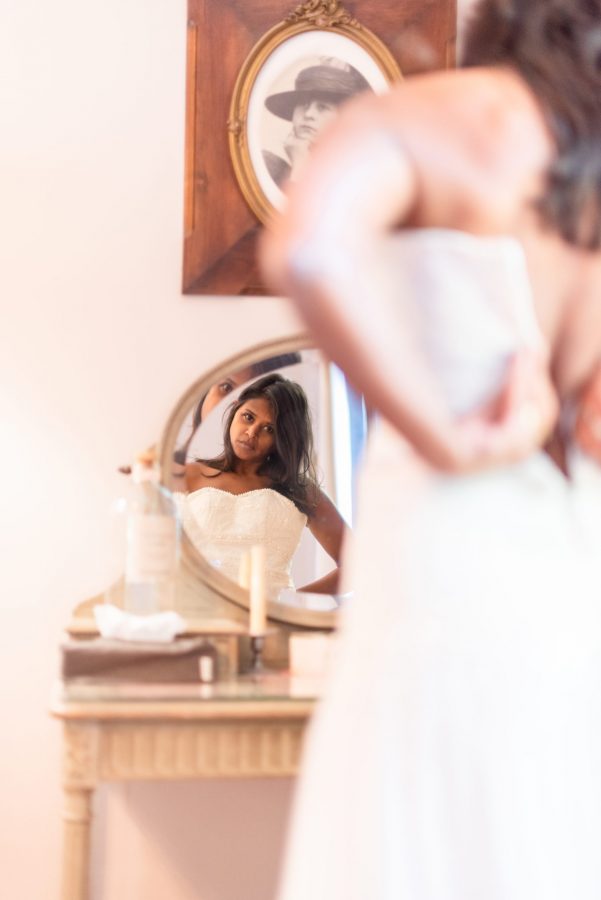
x=349, y=432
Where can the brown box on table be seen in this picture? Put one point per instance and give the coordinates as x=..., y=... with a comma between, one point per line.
x=175, y=662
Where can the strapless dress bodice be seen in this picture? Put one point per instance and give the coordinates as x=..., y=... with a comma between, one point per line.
x=462, y=713
x=223, y=526
x=472, y=303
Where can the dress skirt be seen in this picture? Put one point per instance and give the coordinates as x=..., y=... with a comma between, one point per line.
x=456, y=754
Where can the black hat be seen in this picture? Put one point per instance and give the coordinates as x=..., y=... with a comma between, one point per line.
x=324, y=82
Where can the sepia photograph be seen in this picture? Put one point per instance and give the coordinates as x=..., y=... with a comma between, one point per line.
x=288, y=90
x=302, y=101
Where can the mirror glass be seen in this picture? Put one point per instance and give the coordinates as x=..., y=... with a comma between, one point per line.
x=339, y=429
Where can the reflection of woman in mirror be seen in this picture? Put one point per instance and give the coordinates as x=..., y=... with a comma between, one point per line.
x=262, y=489
x=223, y=388
x=445, y=247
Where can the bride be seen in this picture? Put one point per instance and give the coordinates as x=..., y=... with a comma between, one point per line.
x=262, y=489
x=445, y=247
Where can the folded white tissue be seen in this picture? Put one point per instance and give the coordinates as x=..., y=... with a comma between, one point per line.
x=307, y=600
x=117, y=624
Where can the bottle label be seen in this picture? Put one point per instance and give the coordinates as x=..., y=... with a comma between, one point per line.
x=151, y=548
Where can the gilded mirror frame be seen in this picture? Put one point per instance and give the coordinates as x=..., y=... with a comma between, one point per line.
x=198, y=567
x=330, y=26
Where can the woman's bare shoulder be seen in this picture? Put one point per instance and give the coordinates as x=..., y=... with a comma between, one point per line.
x=479, y=143
x=199, y=473
x=467, y=94
x=475, y=139
x=199, y=467
x=320, y=503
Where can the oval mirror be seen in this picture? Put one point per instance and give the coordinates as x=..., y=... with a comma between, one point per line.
x=195, y=431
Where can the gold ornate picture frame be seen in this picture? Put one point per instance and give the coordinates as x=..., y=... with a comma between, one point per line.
x=290, y=85
x=232, y=45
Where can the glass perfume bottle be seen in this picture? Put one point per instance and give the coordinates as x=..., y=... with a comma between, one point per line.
x=152, y=542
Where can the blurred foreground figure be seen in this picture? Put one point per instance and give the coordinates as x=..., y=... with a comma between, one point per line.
x=444, y=245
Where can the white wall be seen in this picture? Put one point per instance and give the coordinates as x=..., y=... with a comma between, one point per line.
x=96, y=345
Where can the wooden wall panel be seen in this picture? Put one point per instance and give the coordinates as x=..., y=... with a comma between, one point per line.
x=220, y=231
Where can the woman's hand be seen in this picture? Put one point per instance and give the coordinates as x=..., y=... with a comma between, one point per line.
x=517, y=423
x=588, y=423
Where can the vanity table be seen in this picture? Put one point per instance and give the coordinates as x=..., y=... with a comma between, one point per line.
x=241, y=726
x=247, y=727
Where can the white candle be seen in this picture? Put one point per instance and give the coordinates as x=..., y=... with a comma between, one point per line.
x=244, y=572
x=258, y=595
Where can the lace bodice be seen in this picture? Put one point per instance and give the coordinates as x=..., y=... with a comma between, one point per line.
x=222, y=526
x=474, y=307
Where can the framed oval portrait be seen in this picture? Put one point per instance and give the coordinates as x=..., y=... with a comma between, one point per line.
x=290, y=86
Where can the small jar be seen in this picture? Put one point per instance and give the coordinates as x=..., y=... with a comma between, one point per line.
x=207, y=663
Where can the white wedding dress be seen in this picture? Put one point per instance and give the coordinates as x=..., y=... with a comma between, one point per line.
x=223, y=526
x=457, y=752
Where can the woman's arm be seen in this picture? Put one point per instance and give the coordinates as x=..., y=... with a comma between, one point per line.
x=328, y=251
x=328, y=528
x=588, y=422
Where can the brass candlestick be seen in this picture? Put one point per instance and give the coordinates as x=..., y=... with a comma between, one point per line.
x=257, y=642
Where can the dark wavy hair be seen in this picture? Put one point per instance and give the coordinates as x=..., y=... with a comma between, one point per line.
x=555, y=45
x=261, y=367
x=289, y=464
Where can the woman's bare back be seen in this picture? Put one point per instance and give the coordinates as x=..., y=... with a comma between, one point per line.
x=485, y=177
x=467, y=151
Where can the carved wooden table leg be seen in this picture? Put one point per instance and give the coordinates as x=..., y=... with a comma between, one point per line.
x=77, y=816
x=80, y=776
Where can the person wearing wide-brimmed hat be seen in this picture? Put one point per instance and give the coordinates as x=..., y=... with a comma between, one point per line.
x=318, y=91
